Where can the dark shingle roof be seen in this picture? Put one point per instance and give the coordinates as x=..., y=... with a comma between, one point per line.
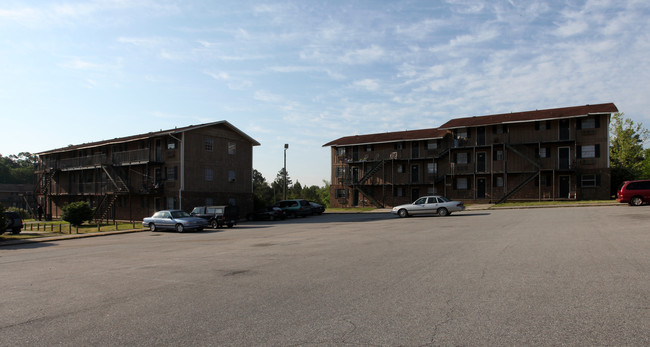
x=150, y=135
x=527, y=116
x=422, y=134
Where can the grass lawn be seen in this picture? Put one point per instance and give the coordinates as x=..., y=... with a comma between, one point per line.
x=34, y=229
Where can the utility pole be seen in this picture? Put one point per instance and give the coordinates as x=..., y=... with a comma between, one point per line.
x=284, y=186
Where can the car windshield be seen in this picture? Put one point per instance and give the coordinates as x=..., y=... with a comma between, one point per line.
x=180, y=214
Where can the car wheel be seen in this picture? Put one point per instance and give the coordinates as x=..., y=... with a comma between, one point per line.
x=403, y=213
x=214, y=224
x=230, y=225
x=443, y=212
x=636, y=201
x=15, y=231
x=180, y=228
x=152, y=227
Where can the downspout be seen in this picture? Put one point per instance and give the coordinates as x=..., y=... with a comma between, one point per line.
x=182, y=169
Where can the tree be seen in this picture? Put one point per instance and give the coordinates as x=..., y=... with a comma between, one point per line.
x=279, y=185
x=626, y=152
x=17, y=169
x=262, y=192
x=76, y=213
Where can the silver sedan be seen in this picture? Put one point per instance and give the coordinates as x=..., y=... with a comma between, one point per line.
x=434, y=204
x=174, y=220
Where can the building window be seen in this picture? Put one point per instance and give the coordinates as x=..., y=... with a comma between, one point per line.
x=543, y=152
x=208, y=144
x=341, y=193
x=461, y=183
x=432, y=168
x=400, y=168
x=370, y=148
x=543, y=125
x=399, y=145
x=498, y=181
x=231, y=176
x=431, y=190
x=461, y=158
x=208, y=174
x=172, y=173
x=232, y=148
x=588, y=151
x=461, y=133
x=171, y=145
x=340, y=151
x=399, y=191
x=171, y=203
x=498, y=154
x=588, y=123
x=589, y=181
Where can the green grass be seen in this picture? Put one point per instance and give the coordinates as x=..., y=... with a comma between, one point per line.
x=56, y=228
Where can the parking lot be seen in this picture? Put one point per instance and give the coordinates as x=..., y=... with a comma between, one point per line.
x=551, y=276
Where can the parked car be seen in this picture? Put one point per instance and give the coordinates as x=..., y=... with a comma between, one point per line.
x=217, y=216
x=634, y=192
x=435, y=204
x=14, y=222
x=267, y=213
x=174, y=220
x=316, y=208
x=295, y=207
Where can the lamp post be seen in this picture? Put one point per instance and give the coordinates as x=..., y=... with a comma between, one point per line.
x=284, y=186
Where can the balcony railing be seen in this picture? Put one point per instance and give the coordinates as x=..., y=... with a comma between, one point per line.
x=131, y=157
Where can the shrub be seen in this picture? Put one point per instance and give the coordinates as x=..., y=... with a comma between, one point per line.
x=21, y=211
x=76, y=213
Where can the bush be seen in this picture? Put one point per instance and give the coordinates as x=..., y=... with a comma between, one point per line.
x=21, y=211
x=3, y=220
x=77, y=213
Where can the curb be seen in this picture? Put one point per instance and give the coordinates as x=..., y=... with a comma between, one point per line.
x=67, y=237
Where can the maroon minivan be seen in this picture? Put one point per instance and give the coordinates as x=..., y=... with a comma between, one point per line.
x=634, y=192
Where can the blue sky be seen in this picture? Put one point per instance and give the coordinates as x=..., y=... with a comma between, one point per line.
x=307, y=72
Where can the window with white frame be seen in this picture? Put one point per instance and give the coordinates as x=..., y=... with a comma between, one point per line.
x=461, y=133
x=543, y=152
x=432, y=144
x=432, y=168
x=208, y=174
x=400, y=168
x=461, y=158
x=232, y=148
x=588, y=123
x=588, y=181
x=498, y=181
x=588, y=151
x=461, y=183
x=208, y=144
x=498, y=154
x=340, y=151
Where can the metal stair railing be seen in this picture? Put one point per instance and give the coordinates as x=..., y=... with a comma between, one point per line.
x=518, y=188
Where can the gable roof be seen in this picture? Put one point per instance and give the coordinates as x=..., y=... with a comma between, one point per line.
x=150, y=135
x=527, y=116
x=422, y=134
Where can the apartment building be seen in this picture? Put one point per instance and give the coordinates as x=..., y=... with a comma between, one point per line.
x=131, y=177
x=552, y=154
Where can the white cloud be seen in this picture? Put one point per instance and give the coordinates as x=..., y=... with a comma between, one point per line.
x=368, y=84
x=363, y=55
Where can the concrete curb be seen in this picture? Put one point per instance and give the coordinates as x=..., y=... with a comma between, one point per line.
x=67, y=237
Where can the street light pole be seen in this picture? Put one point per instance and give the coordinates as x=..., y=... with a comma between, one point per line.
x=284, y=186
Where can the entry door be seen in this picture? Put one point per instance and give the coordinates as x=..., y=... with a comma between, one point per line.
x=564, y=158
x=565, y=130
x=415, y=173
x=355, y=175
x=480, y=136
x=355, y=153
x=355, y=197
x=480, y=162
x=480, y=188
x=565, y=187
x=415, y=193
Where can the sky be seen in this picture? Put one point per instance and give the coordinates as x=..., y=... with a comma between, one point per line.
x=307, y=72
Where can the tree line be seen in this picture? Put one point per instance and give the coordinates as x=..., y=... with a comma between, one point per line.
x=266, y=194
x=17, y=169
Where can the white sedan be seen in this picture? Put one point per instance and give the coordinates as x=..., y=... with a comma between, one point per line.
x=435, y=204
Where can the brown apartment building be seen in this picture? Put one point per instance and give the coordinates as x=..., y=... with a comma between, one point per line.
x=131, y=177
x=553, y=154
